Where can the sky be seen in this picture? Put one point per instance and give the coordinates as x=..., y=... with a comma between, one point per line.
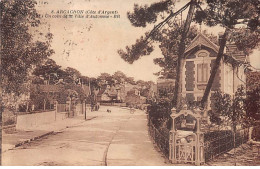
x=91, y=45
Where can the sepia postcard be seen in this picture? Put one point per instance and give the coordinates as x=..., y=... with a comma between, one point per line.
x=130, y=83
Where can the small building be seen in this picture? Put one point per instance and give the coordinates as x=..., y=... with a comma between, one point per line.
x=49, y=93
x=108, y=94
x=134, y=98
x=200, y=58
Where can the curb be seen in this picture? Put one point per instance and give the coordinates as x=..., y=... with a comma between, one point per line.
x=43, y=135
x=34, y=138
x=77, y=124
x=91, y=118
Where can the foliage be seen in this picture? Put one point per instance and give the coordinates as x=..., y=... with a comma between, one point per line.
x=228, y=110
x=119, y=76
x=253, y=95
x=137, y=50
x=244, y=108
x=160, y=112
x=105, y=78
x=49, y=71
x=72, y=75
x=147, y=14
x=245, y=39
x=74, y=91
x=169, y=41
x=37, y=80
x=252, y=104
x=19, y=51
x=139, y=18
x=227, y=14
x=241, y=17
x=38, y=98
x=252, y=80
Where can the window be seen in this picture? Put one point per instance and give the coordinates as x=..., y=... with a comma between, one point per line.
x=202, y=54
x=202, y=73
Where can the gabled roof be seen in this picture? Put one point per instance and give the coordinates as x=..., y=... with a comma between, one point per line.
x=232, y=55
x=200, y=39
x=112, y=92
x=232, y=50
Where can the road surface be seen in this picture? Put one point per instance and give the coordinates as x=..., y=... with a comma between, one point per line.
x=114, y=139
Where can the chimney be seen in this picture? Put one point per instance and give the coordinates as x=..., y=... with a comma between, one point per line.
x=220, y=36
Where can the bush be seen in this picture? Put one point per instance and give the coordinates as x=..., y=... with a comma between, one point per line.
x=159, y=112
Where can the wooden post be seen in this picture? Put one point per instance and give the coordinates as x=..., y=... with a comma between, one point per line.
x=82, y=107
x=85, y=110
x=44, y=104
x=69, y=107
x=56, y=109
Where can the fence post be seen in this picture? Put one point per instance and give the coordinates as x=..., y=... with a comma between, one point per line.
x=170, y=147
x=173, y=141
x=56, y=109
x=85, y=112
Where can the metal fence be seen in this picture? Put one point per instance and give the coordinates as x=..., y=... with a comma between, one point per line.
x=160, y=138
x=219, y=142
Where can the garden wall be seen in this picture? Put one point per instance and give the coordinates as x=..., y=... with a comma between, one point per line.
x=28, y=121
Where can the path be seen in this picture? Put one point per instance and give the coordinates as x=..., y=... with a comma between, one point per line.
x=116, y=138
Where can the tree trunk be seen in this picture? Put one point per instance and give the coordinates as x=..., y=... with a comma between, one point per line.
x=180, y=62
x=215, y=68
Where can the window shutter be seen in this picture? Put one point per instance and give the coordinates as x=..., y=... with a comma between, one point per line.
x=190, y=78
x=205, y=73
x=199, y=72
